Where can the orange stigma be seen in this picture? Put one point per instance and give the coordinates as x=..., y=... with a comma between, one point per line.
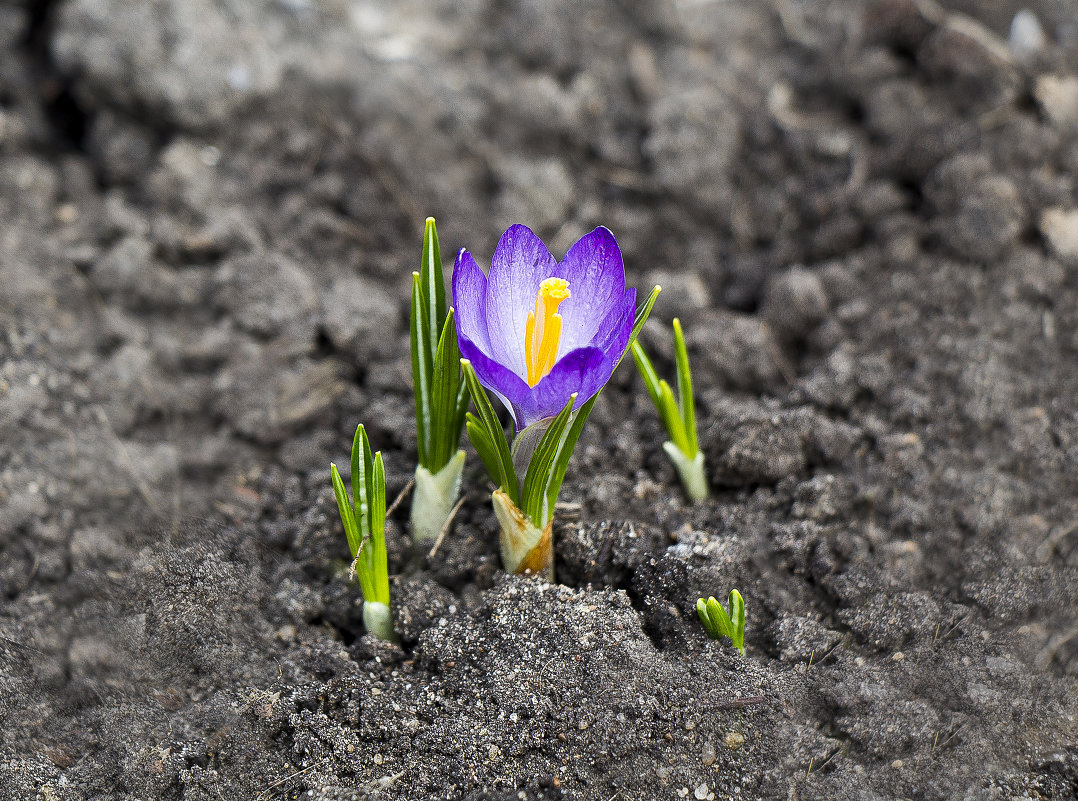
x=543, y=331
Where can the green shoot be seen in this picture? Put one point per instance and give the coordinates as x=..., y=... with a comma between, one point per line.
x=719, y=624
x=365, y=527
x=678, y=415
x=441, y=398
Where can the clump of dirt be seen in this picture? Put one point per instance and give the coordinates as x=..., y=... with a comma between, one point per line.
x=865, y=216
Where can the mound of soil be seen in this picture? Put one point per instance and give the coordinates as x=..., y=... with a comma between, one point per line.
x=866, y=217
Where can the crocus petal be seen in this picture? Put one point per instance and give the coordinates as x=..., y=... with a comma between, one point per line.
x=511, y=389
x=584, y=371
x=521, y=261
x=613, y=334
x=470, y=300
x=596, y=275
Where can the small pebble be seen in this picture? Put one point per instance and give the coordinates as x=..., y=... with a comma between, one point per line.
x=1060, y=227
x=734, y=740
x=1027, y=35
x=707, y=754
x=67, y=213
x=700, y=792
x=898, y=656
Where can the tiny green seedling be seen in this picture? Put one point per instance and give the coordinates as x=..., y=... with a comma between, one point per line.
x=719, y=624
x=678, y=415
x=365, y=528
x=441, y=398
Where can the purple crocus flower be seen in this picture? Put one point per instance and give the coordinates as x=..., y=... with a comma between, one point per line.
x=537, y=330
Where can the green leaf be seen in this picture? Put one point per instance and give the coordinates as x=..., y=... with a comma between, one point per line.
x=488, y=453
x=362, y=479
x=460, y=410
x=537, y=481
x=684, y=391
x=642, y=315
x=718, y=624
x=705, y=619
x=445, y=396
x=422, y=369
x=565, y=451
x=355, y=538
x=359, y=482
x=561, y=459
x=662, y=396
x=433, y=280
x=737, y=623
x=719, y=618
x=647, y=372
x=345, y=508
x=504, y=473
x=668, y=411
x=379, y=557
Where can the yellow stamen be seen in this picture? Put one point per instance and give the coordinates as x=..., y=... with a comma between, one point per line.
x=542, y=333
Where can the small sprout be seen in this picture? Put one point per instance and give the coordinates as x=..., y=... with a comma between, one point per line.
x=678, y=416
x=440, y=396
x=544, y=337
x=365, y=527
x=719, y=624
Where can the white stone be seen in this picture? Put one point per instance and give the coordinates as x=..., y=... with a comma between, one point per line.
x=1060, y=227
x=1027, y=35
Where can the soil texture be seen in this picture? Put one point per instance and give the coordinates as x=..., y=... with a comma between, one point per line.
x=865, y=215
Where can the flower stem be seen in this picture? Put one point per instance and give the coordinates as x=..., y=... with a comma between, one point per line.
x=435, y=494
x=690, y=471
x=525, y=547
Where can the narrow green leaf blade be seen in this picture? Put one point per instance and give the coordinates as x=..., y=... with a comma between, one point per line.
x=461, y=409
x=422, y=369
x=378, y=531
x=363, y=501
x=720, y=618
x=433, y=280
x=444, y=395
x=359, y=482
x=355, y=538
x=565, y=452
x=642, y=315
x=737, y=616
x=538, y=476
x=647, y=372
x=684, y=391
x=488, y=453
x=345, y=508
x=705, y=619
x=671, y=418
x=378, y=497
x=507, y=476
x=561, y=459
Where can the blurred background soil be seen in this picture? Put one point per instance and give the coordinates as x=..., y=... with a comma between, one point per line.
x=866, y=216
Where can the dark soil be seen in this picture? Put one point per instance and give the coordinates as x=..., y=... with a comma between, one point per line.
x=866, y=216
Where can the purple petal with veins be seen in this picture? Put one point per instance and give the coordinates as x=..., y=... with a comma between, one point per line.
x=492, y=319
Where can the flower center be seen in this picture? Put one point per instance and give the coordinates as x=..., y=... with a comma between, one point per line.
x=543, y=331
